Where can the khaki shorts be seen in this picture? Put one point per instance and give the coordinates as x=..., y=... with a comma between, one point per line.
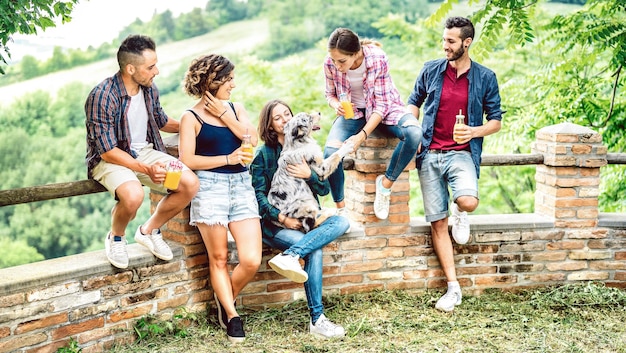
x=111, y=176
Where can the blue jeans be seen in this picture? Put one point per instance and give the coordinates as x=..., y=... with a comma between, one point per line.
x=309, y=247
x=410, y=136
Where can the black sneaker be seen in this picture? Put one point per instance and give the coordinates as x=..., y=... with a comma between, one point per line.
x=222, y=318
x=235, y=330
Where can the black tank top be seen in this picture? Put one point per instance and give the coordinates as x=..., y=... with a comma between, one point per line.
x=217, y=141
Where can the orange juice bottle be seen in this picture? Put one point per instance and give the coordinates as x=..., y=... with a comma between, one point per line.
x=347, y=106
x=460, y=120
x=246, y=146
x=173, y=172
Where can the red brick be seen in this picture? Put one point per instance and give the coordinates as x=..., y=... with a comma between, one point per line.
x=173, y=302
x=99, y=282
x=362, y=288
x=12, y=300
x=362, y=267
x=50, y=347
x=79, y=327
x=130, y=314
x=5, y=332
x=41, y=323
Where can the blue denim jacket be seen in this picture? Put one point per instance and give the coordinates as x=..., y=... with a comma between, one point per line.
x=484, y=99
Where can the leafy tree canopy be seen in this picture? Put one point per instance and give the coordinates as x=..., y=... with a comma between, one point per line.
x=26, y=17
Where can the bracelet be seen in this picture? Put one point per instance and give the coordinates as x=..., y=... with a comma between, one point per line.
x=219, y=117
x=227, y=162
x=365, y=132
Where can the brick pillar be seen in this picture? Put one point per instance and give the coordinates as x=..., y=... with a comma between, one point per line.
x=370, y=160
x=178, y=229
x=569, y=178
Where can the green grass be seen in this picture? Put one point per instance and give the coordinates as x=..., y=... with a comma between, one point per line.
x=586, y=317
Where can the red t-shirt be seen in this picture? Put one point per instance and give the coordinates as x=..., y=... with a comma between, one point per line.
x=454, y=96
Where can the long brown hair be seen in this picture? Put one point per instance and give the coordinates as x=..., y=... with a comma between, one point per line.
x=266, y=133
x=348, y=42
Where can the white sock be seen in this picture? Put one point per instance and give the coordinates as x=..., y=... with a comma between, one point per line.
x=454, y=286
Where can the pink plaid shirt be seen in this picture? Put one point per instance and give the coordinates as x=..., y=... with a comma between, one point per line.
x=381, y=95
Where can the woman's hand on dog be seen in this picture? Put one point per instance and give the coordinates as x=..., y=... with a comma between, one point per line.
x=300, y=170
x=292, y=223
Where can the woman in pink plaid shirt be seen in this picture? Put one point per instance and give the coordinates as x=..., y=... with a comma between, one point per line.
x=360, y=69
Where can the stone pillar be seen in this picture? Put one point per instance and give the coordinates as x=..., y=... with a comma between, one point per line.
x=569, y=178
x=370, y=160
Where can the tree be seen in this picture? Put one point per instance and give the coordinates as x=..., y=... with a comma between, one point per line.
x=26, y=17
x=559, y=68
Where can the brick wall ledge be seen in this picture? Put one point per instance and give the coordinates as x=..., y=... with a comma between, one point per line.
x=494, y=222
x=612, y=220
x=93, y=264
x=74, y=267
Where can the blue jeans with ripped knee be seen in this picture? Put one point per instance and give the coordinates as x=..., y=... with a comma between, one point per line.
x=410, y=136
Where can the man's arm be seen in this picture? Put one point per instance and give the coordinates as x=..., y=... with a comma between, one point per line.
x=172, y=126
x=156, y=171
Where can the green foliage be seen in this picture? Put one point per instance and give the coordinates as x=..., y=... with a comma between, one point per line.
x=21, y=252
x=26, y=17
x=73, y=347
x=149, y=327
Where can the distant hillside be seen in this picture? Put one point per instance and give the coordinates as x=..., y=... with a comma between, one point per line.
x=237, y=37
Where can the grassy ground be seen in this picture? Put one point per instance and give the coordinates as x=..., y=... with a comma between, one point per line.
x=573, y=318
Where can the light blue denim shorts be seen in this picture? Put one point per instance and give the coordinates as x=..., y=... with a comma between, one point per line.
x=223, y=198
x=440, y=170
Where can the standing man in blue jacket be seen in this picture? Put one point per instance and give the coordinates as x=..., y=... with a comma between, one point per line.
x=450, y=154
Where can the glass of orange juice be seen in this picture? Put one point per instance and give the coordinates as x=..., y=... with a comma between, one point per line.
x=347, y=106
x=246, y=146
x=173, y=172
x=460, y=120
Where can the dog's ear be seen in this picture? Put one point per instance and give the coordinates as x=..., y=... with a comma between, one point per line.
x=295, y=131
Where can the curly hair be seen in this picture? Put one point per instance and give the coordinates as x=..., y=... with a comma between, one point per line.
x=207, y=73
x=266, y=133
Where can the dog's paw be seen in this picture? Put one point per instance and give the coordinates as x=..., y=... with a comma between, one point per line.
x=346, y=147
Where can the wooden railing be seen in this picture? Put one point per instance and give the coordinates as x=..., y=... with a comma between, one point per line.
x=85, y=187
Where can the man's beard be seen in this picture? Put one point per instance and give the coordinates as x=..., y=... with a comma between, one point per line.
x=457, y=54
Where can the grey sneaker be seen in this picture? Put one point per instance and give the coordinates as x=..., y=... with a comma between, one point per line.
x=326, y=328
x=116, y=251
x=460, y=225
x=449, y=300
x=155, y=243
x=381, y=202
x=289, y=266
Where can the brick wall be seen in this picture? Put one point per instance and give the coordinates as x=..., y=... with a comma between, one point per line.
x=43, y=304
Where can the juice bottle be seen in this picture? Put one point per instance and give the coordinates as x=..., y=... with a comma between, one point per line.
x=173, y=172
x=246, y=146
x=460, y=120
x=347, y=106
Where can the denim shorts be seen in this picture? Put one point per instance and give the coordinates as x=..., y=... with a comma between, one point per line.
x=440, y=170
x=223, y=198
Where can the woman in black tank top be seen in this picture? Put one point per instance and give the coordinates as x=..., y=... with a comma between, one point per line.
x=211, y=134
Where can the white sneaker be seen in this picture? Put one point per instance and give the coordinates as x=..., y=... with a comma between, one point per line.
x=449, y=300
x=343, y=213
x=381, y=202
x=116, y=251
x=155, y=243
x=289, y=266
x=460, y=225
x=326, y=328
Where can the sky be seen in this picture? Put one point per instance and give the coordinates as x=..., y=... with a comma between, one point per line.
x=95, y=22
